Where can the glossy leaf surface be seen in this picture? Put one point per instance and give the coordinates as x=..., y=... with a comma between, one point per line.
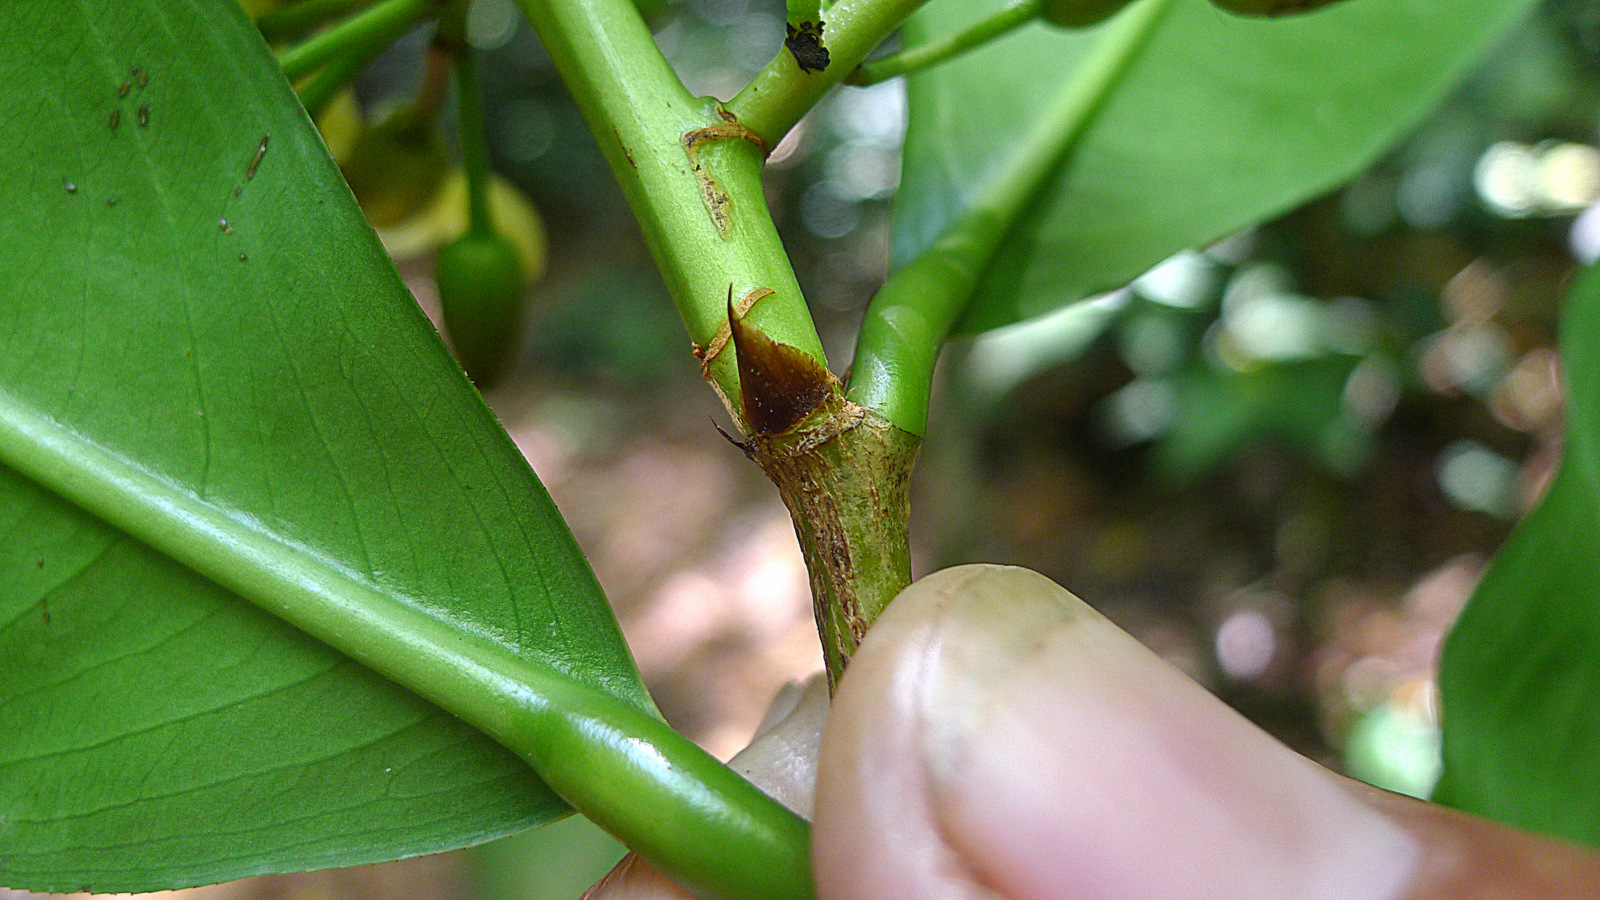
x=1520, y=678
x=187, y=286
x=1218, y=123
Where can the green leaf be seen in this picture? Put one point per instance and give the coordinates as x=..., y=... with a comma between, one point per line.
x=1520, y=677
x=190, y=300
x=1218, y=123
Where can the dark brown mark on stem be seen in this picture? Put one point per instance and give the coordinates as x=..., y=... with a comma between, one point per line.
x=718, y=341
x=717, y=202
x=805, y=45
x=779, y=385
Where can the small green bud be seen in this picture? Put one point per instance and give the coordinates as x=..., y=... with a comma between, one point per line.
x=481, y=290
x=1079, y=13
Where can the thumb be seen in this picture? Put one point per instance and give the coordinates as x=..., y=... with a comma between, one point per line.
x=996, y=736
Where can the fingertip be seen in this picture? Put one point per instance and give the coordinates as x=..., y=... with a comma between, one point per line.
x=995, y=735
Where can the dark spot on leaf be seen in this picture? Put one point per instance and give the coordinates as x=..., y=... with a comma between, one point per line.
x=255, y=161
x=116, y=118
x=144, y=115
x=778, y=384
x=126, y=87
x=805, y=44
x=225, y=226
x=111, y=200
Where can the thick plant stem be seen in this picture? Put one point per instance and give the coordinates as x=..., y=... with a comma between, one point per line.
x=692, y=175
x=845, y=477
x=844, y=474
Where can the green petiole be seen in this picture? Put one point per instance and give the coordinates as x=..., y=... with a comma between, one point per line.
x=378, y=26
x=911, y=315
x=299, y=19
x=474, y=142
x=1002, y=22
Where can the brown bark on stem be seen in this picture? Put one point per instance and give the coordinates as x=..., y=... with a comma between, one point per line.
x=844, y=473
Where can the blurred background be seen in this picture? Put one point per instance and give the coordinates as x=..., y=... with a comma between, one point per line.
x=1281, y=461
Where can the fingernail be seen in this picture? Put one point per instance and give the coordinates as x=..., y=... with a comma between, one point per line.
x=1061, y=752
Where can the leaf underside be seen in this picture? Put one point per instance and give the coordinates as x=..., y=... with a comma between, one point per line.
x=224, y=319
x=1520, y=675
x=1221, y=122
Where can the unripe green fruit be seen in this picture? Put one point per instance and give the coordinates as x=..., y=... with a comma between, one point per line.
x=396, y=167
x=481, y=290
x=1270, y=8
x=1079, y=13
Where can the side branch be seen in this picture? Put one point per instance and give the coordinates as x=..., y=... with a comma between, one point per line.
x=782, y=92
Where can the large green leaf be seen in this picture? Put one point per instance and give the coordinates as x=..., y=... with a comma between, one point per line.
x=1219, y=122
x=1520, y=678
x=188, y=289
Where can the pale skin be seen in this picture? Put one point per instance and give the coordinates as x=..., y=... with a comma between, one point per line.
x=997, y=738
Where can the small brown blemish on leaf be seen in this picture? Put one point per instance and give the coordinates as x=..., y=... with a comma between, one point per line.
x=144, y=115
x=116, y=118
x=242, y=258
x=805, y=45
x=126, y=87
x=44, y=610
x=141, y=76
x=779, y=385
x=111, y=200
x=226, y=228
x=255, y=161
x=39, y=563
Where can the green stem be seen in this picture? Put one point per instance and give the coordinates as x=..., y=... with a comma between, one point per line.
x=321, y=88
x=701, y=205
x=474, y=143
x=781, y=93
x=295, y=21
x=380, y=25
x=922, y=56
x=911, y=315
x=614, y=761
